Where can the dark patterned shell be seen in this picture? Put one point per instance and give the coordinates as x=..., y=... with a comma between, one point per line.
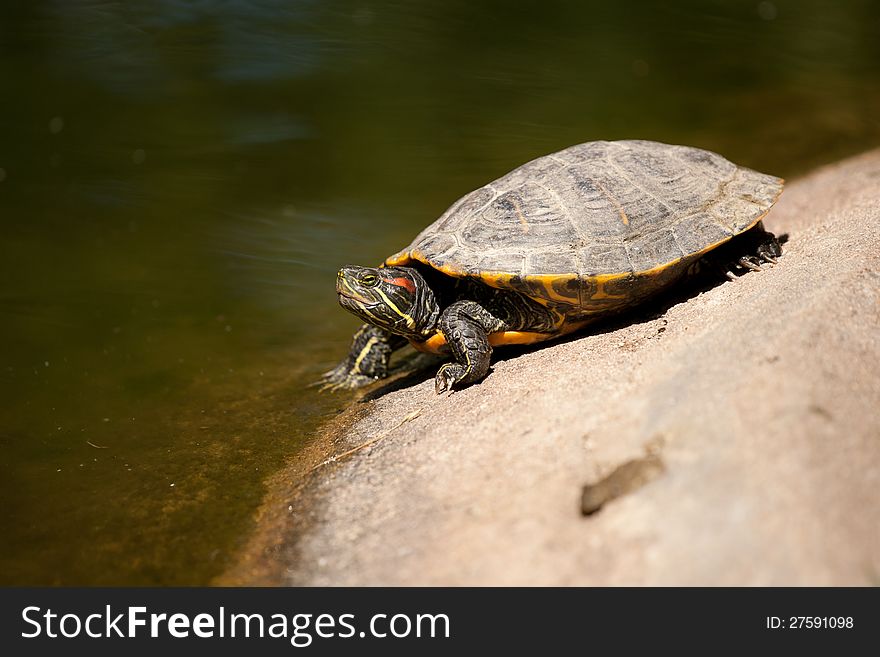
x=595, y=213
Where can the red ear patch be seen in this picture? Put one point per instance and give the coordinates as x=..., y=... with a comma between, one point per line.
x=403, y=282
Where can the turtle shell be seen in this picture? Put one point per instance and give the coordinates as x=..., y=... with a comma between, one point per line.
x=597, y=225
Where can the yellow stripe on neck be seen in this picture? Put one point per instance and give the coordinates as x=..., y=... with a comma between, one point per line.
x=410, y=322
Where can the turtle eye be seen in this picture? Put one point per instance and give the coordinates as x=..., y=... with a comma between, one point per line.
x=369, y=280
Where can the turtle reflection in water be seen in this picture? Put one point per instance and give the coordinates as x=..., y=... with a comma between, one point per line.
x=548, y=248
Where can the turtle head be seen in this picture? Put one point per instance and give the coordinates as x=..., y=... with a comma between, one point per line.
x=397, y=299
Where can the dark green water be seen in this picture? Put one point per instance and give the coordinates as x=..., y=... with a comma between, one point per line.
x=180, y=180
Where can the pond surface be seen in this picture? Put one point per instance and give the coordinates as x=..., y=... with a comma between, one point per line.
x=179, y=182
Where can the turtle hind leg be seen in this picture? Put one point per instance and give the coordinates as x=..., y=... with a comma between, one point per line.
x=771, y=248
x=367, y=360
x=747, y=252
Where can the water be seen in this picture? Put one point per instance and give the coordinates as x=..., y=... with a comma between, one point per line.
x=180, y=180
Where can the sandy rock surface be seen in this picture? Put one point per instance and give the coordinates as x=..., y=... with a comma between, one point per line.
x=755, y=404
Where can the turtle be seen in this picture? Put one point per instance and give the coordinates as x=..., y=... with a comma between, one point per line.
x=550, y=247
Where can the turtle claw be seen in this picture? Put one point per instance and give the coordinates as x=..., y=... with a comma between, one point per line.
x=352, y=382
x=447, y=376
x=749, y=262
x=441, y=383
x=766, y=253
x=342, y=378
x=770, y=250
x=759, y=248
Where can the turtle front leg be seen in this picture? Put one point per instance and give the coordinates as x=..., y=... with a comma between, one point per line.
x=466, y=325
x=367, y=359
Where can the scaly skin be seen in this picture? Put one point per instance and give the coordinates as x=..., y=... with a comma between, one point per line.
x=399, y=305
x=367, y=360
x=466, y=325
